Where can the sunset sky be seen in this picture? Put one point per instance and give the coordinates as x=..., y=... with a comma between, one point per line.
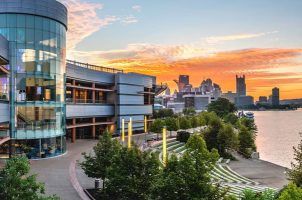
x=214, y=39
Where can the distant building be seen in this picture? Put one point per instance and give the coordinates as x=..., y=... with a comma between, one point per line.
x=240, y=85
x=229, y=96
x=262, y=99
x=275, y=96
x=183, y=81
x=198, y=102
x=177, y=107
x=244, y=101
x=291, y=102
x=270, y=99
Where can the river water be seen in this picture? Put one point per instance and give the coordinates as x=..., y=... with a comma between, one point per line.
x=278, y=132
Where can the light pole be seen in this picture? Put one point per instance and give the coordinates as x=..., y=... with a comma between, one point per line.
x=123, y=130
x=129, y=133
x=164, y=146
x=146, y=128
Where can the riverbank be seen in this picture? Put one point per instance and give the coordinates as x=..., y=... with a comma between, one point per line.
x=261, y=171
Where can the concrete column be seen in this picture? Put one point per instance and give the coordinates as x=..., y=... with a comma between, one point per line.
x=73, y=137
x=93, y=93
x=93, y=128
x=73, y=92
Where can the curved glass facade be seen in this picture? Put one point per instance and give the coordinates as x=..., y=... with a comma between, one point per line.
x=37, y=48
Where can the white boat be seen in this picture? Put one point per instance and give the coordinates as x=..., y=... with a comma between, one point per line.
x=249, y=115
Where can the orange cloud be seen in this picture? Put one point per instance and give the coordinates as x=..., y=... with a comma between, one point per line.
x=264, y=68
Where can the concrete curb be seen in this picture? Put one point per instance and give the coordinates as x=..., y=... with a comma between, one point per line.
x=74, y=181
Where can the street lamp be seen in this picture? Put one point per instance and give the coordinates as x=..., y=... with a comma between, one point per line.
x=129, y=133
x=123, y=130
x=164, y=146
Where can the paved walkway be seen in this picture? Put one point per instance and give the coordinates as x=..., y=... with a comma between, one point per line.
x=55, y=172
x=266, y=173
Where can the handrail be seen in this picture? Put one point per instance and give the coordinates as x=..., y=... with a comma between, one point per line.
x=94, y=67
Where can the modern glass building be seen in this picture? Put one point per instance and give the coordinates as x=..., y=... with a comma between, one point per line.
x=36, y=35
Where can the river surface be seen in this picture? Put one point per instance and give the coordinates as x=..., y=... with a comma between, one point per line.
x=278, y=132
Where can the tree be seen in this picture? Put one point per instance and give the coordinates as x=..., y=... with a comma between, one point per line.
x=188, y=177
x=163, y=113
x=222, y=107
x=295, y=174
x=231, y=118
x=183, y=136
x=195, y=121
x=171, y=124
x=132, y=174
x=252, y=195
x=16, y=183
x=189, y=111
x=184, y=123
x=205, y=117
x=291, y=192
x=97, y=165
x=246, y=142
x=227, y=139
x=157, y=126
x=211, y=133
x=248, y=123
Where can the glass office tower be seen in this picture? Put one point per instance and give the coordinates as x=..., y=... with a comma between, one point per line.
x=36, y=31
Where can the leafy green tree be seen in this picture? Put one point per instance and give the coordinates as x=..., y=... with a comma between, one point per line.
x=252, y=195
x=227, y=139
x=205, y=117
x=171, y=124
x=246, y=141
x=248, y=123
x=188, y=177
x=291, y=192
x=231, y=118
x=295, y=174
x=183, y=136
x=189, y=111
x=16, y=183
x=97, y=165
x=163, y=113
x=157, y=126
x=211, y=133
x=222, y=107
x=184, y=123
x=195, y=121
x=132, y=174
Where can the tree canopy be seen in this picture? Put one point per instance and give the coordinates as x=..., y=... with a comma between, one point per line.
x=17, y=183
x=295, y=174
x=222, y=107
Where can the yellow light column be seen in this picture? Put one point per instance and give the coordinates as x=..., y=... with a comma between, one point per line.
x=164, y=146
x=129, y=133
x=123, y=131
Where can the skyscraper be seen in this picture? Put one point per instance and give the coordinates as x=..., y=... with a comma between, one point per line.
x=183, y=80
x=240, y=85
x=275, y=96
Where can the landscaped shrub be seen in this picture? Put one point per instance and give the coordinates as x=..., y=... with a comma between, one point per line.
x=182, y=136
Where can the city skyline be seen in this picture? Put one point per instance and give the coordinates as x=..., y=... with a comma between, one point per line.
x=204, y=39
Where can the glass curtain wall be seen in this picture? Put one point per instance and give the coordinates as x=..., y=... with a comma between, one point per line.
x=37, y=47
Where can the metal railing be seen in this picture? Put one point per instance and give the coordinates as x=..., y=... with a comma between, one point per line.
x=36, y=125
x=94, y=67
x=85, y=101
